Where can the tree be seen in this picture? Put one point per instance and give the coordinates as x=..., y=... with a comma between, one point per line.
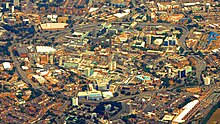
x=115, y=94
x=178, y=90
x=22, y=63
x=181, y=50
x=72, y=31
x=81, y=121
x=128, y=93
x=123, y=92
x=53, y=39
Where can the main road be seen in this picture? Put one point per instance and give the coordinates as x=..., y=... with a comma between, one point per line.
x=20, y=72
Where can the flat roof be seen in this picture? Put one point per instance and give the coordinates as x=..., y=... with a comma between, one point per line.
x=168, y=118
x=53, y=26
x=93, y=9
x=82, y=94
x=107, y=94
x=187, y=108
x=120, y=15
x=6, y=65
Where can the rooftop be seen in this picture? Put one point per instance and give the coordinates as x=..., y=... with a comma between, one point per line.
x=53, y=26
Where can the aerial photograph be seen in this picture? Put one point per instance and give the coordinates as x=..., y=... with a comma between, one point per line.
x=109, y=61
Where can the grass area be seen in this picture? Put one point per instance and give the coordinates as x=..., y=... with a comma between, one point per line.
x=215, y=118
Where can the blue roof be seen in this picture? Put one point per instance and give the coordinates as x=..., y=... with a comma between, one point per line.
x=183, y=19
x=212, y=36
x=141, y=77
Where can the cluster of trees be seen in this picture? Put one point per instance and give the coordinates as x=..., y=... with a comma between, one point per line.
x=126, y=118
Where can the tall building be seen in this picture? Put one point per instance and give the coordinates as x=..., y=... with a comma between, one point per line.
x=207, y=80
x=7, y=5
x=12, y=9
x=60, y=61
x=128, y=107
x=16, y=3
x=43, y=59
x=51, y=59
x=148, y=39
x=88, y=72
x=75, y=101
x=112, y=65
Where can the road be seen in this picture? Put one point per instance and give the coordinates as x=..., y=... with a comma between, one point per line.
x=66, y=3
x=200, y=66
x=20, y=72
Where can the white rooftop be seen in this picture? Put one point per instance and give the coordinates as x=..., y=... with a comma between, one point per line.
x=120, y=15
x=6, y=65
x=187, y=108
x=93, y=9
x=52, y=26
x=45, y=49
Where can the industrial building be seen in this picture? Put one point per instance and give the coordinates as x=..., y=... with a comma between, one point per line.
x=185, y=112
x=53, y=26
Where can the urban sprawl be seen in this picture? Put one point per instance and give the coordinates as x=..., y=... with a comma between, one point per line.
x=109, y=61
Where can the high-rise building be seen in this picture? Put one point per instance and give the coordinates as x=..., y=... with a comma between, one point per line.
x=7, y=5
x=75, y=101
x=207, y=80
x=12, y=9
x=128, y=107
x=60, y=61
x=112, y=65
x=51, y=59
x=148, y=39
x=16, y=3
x=88, y=72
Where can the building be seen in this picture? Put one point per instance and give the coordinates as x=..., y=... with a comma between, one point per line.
x=148, y=39
x=170, y=41
x=101, y=84
x=108, y=107
x=51, y=60
x=175, y=17
x=112, y=65
x=185, y=112
x=83, y=95
x=95, y=95
x=62, y=19
x=60, y=61
x=75, y=101
x=16, y=3
x=128, y=107
x=53, y=26
x=207, y=80
x=182, y=73
x=88, y=72
x=43, y=59
x=7, y=5
x=39, y=79
x=167, y=118
x=22, y=52
x=7, y=65
x=12, y=9
x=45, y=49
x=107, y=94
x=53, y=18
